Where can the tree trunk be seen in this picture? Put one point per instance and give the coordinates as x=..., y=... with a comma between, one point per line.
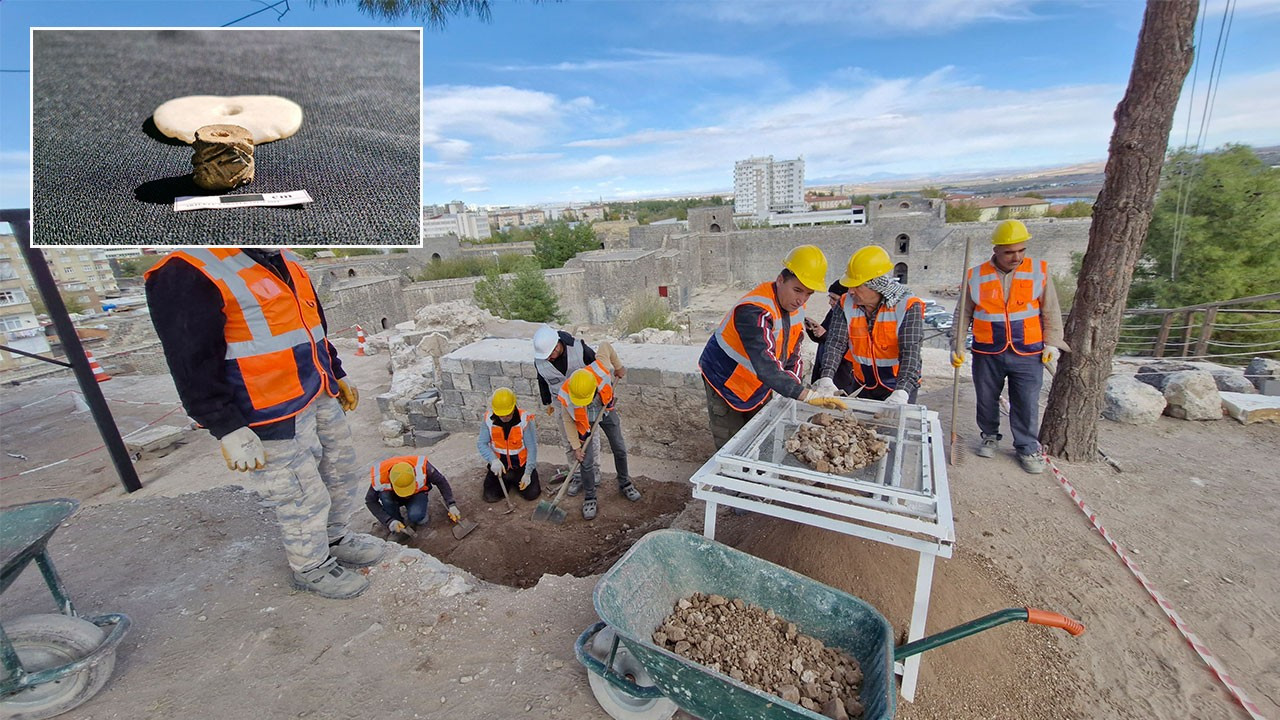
x=1120, y=219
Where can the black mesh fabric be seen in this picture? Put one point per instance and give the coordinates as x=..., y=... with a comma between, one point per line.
x=103, y=175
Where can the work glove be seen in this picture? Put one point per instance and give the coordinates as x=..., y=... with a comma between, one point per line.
x=495, y=467
x=525, y=480
x=897, y=397
x=827, y=402
x=957, y=359
x=348, y=396
x=1049, y=354
x=824, y=386
x=454, y=514
x=395, y=526
x=243, y=451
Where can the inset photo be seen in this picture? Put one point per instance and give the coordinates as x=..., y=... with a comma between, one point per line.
x=226, y=137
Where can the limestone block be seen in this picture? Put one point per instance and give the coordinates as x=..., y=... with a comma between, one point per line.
x=157, y=440
x=457, y=425
x=1128, y=400
x=1232, y=381
x=1261, y=370
x=429, y=438
x=1192, y=395
x=511, y=368
x=422, y=422
x=482, y=382
x=1157, y=374
x=425, y=407
x=397, y=441
x=1251, y=408
x=528, y=370
x=384, y=403
x=446, y=381
x=451, y=365
x=390, y=429
x=487, y=367
x=450, y=398
x=643, y=376
x=461, y=381
x=673, y=378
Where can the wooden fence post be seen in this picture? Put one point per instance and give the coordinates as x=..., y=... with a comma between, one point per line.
x=1206, y=329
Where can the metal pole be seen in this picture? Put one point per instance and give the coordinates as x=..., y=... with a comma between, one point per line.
x=20, y=221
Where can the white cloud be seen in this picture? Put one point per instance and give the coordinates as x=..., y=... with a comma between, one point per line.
x=502, y=114
x=653, y=61
x=867, y=17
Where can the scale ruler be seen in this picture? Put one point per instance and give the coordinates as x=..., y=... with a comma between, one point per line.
x=218, y=202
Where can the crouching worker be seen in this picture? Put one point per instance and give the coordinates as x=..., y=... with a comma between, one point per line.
x=398, y=489
x=587, y=400
x=508, y=442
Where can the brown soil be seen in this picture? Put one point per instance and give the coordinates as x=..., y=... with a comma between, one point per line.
x=514, y=549
x=756, y=646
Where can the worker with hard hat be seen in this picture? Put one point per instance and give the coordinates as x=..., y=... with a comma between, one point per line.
x=398, y=493
x=587, y=399
x=508, y=444
x=1017, y=330
x=244, y=335
x=878, y=329
x=818, y=332
x=556, y=354
x=756, y=350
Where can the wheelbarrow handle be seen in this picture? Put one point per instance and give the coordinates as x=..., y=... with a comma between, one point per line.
x=599, y=668
x=986, y=622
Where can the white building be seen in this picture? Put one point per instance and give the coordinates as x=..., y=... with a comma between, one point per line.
x=762, y=186
x=473, y=225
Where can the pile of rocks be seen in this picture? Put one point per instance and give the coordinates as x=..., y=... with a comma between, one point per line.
x=836, y=445
x=755, y=646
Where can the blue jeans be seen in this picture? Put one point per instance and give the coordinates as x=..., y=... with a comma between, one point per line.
x=414, y=506
x=1025, y=374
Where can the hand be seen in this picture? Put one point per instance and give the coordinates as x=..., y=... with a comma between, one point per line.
x=824, y=386
x=621, y=372
x=957, y=359
x=579, y=454
x=1049, y=354
x=525, y=480
x=348, y=396
x=827, y=402
x=395, y=526
x=897, y=397
x=243, y=451
x=454, y=514
x=551, y=409
x=495, y=467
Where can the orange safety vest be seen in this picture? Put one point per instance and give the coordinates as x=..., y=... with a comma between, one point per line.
x=509, y=443
x=724, y=361
x=277, y=358
x=604, y=393
x=1012, y=323
x=874, y=352
x=380, y=474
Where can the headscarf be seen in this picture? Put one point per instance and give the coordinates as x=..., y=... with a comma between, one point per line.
x=891, y=291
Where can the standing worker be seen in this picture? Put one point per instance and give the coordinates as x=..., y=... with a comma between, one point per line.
x=756, y=350
x=508, y=443
x=556, y=355
x=398, y=493
x=818, y=333
x=878, y=328
x=245, y=339
x=587, y=396
x=1017, y=330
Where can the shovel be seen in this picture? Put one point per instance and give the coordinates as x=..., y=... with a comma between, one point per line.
x=463, y=528
x=502, y=483
x=550, y=511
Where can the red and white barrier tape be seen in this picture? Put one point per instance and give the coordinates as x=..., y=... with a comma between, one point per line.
x=86, y=452
x=1192, y=639
x=37, y=402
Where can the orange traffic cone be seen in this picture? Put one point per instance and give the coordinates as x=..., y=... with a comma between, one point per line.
x=98, y=374
x=359, y=341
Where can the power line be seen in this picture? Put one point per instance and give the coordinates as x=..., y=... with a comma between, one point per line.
x=265, y=8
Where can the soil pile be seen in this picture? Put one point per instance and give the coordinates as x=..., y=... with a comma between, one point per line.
x=755, y=646
x=836, y=445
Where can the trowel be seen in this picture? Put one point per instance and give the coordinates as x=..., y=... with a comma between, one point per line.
x=463, y=528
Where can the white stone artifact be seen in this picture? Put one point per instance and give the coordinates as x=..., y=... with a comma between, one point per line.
x=266, y=117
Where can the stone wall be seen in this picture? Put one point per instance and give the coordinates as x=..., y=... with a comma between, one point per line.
x=375, y=304
x=661, y=399
x=566, y=282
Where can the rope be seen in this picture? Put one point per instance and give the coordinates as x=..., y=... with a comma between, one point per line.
x=92, y=449
x=1237, y=693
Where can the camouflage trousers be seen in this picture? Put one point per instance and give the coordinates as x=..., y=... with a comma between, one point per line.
x=312, y=482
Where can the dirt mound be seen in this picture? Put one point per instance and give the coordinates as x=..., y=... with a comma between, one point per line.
x=516, y=550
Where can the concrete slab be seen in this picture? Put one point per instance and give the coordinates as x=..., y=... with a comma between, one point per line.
x=155, y=440
x=1251, y=408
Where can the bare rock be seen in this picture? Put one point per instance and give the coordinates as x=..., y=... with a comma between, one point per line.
x=1192, y=395
x=790, y=693
x=834, y=708
x=1261, y=370
x=1157, y=374
x=1131, y=401
x=1230, y=380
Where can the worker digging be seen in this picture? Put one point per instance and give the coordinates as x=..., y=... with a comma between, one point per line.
x=508, y=444
x=398, y=494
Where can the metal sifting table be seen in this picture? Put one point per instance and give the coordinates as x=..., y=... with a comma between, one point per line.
x=901, y=500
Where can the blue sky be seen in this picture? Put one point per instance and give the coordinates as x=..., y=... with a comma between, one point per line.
x=618, y=99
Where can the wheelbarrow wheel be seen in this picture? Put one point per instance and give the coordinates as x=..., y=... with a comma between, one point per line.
x=48, y=641
x=621, y=705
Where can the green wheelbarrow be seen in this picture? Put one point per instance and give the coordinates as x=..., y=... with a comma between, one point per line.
x=51, y=663
x=633, y=679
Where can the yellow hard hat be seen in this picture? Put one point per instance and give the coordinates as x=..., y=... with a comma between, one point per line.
x=503, y=401
x=582, y=387
x=809, y=265
x=1010, y=232
x=403, y=479
x=867, y=263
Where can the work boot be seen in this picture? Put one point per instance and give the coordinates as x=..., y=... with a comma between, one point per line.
x=331, y=580
x=575, y=485
x=629, y=491
x=1033, y=463
x=988, y=446
x=589, y=509
x=356, y=550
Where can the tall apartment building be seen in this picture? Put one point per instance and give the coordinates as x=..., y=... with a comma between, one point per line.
x=762, y=186
x=82, y=274
x=461, y=225
x=18, y=324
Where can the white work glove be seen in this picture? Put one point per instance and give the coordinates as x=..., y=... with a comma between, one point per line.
x=1049, y=354
x=495, y=467
x=454, y=513
x=825, y=387
x=243, y=451
x=395, y=526
x=525, y=479
x=897, y=397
